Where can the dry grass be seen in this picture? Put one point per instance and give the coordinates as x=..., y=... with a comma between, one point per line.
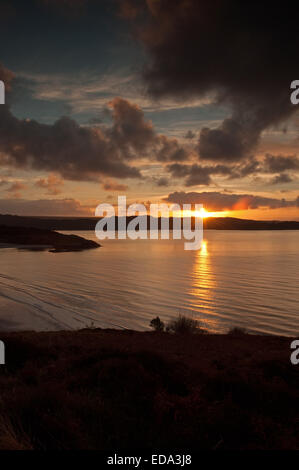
x=184, y=326
x=107, y=390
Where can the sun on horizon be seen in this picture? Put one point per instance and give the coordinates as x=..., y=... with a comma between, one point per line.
x=203, y=213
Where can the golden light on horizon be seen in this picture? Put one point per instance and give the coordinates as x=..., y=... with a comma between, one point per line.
x=203, y=213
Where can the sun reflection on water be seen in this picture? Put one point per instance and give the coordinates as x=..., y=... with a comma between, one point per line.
x=204, y=248
x=203, y=286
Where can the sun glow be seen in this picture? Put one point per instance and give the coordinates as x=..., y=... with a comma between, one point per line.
x=203, y=213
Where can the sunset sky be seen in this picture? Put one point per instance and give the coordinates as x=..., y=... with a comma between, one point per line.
x=174, y=101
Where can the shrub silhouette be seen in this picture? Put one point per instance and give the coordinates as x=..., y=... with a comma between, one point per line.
x=184, y=325
x=157, y=324
x=237, y=331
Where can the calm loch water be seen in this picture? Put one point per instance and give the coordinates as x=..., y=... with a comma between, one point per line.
x=248, y=279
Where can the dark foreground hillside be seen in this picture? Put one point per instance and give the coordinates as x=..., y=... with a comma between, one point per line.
x=108, y=390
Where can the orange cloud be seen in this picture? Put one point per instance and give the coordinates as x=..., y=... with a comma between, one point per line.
x=15, y=188
x=52, y=184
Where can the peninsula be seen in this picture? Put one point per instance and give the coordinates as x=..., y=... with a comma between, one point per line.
x=34, y=238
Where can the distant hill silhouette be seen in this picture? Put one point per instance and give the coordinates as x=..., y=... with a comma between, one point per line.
x=89, y=223
x=230, y=223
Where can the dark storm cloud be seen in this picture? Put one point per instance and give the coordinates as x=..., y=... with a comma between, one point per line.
x=130, y=131
x=134, y=135
x=246, y=168
x=280, y=163
x=215, y=201
x=179, y=171
x=201, y=177
x=80, y=153
x=84, y=153
x=281, y=179
x=231, y=141
x=170, y=150
x=196, y=174
x=162, y=181
x=244, y=53
x=76, y=153
x=271, y=164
